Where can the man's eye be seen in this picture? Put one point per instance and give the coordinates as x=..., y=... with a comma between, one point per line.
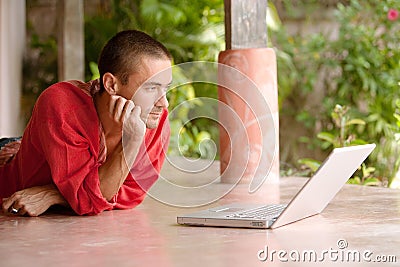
x=152, y=88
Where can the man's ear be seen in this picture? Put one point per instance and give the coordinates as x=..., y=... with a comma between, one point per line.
x=110, y=83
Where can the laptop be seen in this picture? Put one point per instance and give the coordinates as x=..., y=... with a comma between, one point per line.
x=312, y=198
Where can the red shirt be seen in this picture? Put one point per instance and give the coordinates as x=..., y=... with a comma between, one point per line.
x=62, y=145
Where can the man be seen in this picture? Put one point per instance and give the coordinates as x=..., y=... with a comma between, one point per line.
x=95, y=146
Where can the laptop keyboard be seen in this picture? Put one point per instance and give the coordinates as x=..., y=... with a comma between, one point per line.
x=265, y=212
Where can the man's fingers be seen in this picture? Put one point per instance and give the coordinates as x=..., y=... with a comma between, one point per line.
x=111, y=108
x=119, y=107
x=116, y=105
x=16, y=207
x=136, y=111
x=4, y=206
x=12, y=205
x=7, y=202
x=128, y=107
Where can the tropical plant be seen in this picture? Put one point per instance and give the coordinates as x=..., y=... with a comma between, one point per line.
x=359, y=69
x=39, y=71
x=341, y=136
x=368, y=72
x=396, y=180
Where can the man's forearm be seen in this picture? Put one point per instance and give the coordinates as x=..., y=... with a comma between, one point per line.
x=114, y=171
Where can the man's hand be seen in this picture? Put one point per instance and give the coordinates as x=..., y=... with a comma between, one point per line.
x=126, y=117
x=127, y=124
x=8, y=152
x=33, y=201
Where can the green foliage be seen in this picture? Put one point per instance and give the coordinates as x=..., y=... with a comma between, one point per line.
x=189, y=138
x=39, y=71
x=191, y=30
x=360, y=69
x=366, y=177
x=311, y=164
x=368, y=57
x=94, y=69
x=396, y=180
x=342, y=136
x=397, y=130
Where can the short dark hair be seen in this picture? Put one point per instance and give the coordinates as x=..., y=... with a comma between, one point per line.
x=123, y=52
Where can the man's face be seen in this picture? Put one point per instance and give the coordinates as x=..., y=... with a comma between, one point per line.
x=148, y=87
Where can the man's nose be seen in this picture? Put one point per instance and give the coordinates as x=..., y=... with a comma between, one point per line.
x=162, y=101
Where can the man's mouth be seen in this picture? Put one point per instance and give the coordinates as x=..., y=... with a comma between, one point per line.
x=156, y=112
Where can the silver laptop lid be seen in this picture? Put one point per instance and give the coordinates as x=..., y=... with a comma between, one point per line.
x=325, y=183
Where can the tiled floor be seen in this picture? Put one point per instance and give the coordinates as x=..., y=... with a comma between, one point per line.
x=363, y=217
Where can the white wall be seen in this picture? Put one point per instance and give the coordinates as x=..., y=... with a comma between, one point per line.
x=12, y=44
x=71, y=39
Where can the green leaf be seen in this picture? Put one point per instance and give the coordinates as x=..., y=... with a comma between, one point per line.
x=326, y=145
x=358, y=142
x=354, y=180
x=310, y=163
x=273, y=20
x=94, y=70
x=326, y=136
x=355, y=121
x=203, y=135
x=367, y=170
x=372, y=181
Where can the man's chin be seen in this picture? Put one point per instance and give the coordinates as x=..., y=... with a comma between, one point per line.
x=151, y=121
x=152, y=124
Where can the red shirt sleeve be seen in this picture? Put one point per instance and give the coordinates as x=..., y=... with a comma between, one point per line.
x=68, y=129
x=147, y=166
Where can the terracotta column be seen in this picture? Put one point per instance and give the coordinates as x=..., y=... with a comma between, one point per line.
x=248, y=85
x=252, y=94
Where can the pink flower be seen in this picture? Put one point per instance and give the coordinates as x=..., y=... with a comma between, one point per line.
x=393, y=14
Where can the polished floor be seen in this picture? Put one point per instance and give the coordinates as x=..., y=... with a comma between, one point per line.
x=359, y=219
